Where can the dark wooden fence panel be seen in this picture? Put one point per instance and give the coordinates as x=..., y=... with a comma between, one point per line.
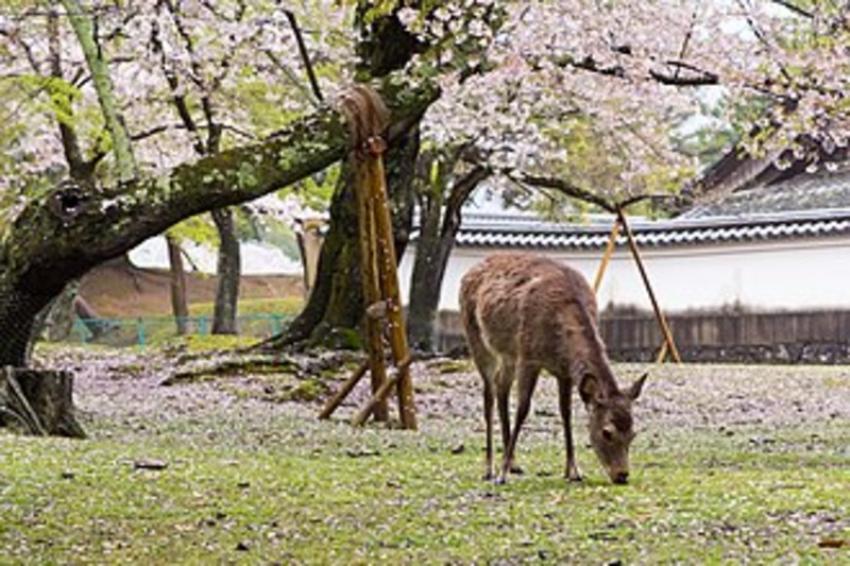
x=779, y=337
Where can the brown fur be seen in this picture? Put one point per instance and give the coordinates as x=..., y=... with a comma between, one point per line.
x=523, y=314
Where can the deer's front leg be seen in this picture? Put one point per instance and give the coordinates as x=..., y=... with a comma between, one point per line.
x=565, y=391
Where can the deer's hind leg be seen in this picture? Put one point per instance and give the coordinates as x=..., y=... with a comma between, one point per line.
x=526, y=376
x=486, y=364
x=503, y=383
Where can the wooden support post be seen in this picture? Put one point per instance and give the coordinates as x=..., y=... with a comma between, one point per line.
x=389, y=280
x=371, y=286
x=367, y=119
x=335, y=401
x=606, y=257
x=662, y=353
x=360, y=418
x=662, y=320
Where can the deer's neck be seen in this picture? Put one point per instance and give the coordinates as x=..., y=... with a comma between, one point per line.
x=587, y=349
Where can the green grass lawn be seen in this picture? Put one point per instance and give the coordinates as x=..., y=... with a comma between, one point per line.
x=332, y=496
x=289, y=306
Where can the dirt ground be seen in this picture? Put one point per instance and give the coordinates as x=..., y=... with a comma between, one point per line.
x=123, y=385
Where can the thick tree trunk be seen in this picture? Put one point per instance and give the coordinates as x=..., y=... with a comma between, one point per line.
x=335, y=307
x=229, y=272
x=18, y=311
x=336, y=299
x=39, y=402
x=179, y=302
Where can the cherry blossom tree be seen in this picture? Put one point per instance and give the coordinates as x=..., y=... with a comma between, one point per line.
x=577, y=96
x=587, y=101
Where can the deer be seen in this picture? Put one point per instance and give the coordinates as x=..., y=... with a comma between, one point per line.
x=522, y=314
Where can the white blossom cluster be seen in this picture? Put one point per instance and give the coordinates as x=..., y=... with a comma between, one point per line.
x=573, y=88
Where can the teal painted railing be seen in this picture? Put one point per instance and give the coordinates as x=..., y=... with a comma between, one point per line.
x=144, y=330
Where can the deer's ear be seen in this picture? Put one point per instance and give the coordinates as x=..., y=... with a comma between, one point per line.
x=637, y=387
x=588, y=388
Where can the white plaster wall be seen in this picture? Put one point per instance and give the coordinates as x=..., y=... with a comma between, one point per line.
x=257, y=258
x=789, y=275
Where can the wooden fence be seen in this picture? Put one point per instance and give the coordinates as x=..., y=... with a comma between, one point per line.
x=779, y=337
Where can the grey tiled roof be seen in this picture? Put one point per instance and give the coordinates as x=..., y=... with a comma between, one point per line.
x=807, y=191
x=521, y=231
x=808, y=205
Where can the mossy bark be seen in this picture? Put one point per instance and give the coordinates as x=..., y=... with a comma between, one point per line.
x=85, y=32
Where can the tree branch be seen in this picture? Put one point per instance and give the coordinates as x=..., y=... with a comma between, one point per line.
x=798, y=10
x=82, y=26
x=566, y=188
x=291, y=77
x=465, y=185
x=79, y=229
x=178, y=99
x=70, y=141
x=305, y=57
x=700, y=77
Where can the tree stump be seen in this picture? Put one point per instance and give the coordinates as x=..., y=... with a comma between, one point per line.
x=38, y=402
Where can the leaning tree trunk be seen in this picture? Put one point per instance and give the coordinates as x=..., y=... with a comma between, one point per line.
x=229, y=272
x=179, y=302
x=335, y=306
x=19, y=309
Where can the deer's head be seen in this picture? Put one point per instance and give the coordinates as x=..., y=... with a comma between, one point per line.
x=611, y=431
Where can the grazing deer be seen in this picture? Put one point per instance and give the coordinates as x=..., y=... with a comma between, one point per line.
x=522, y=314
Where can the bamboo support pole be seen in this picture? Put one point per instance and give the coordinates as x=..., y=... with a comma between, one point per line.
x=389, y=281
x=662, y=353
x=662, y=320
x=606, y=257
x=369, y=275
x=335, y=401
x=401, y=370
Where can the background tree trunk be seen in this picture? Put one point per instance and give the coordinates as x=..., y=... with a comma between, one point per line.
x=427, y=276
x=229, y=271
x=439, y=224
x=179, y=302
x=55, y=321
